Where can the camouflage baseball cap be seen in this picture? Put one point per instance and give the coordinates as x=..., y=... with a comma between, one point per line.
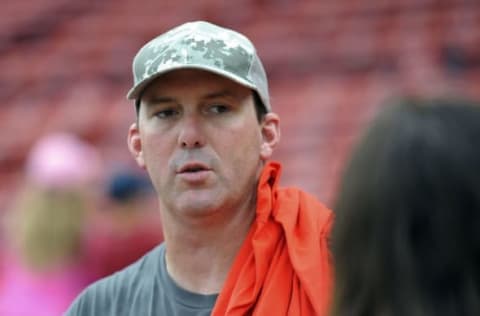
x=205, y=46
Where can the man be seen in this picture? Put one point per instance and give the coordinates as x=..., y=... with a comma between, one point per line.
x=235, y=243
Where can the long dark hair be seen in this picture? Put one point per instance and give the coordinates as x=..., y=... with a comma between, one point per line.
x=406, y=240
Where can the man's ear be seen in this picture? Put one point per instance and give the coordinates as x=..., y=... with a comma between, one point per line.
x=271, y=135
x=135, y=144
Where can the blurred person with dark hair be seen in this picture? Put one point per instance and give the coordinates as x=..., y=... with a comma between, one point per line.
x=235, y=242
x=406, y=238
x=42, y=267
x=124, y=227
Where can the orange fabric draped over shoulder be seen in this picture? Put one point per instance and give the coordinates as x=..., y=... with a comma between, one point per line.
x=284, y=265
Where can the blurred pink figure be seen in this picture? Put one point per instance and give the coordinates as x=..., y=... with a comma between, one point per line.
x=43, y=268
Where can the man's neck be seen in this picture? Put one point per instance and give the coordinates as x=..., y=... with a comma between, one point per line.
x=199, y=256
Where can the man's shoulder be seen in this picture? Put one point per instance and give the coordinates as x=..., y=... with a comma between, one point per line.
x=109, y=295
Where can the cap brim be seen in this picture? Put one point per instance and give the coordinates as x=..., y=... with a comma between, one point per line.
x=137, y=90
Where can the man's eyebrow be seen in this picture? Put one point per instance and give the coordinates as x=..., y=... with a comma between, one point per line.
x=220, y=94
x=159, y=99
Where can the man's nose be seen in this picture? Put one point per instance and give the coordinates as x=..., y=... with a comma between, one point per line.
x=191, y=133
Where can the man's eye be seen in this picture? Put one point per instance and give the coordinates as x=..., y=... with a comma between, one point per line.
x=166, y=113
x=219, y=108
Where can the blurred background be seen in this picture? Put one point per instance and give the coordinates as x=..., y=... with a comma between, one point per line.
x=66, y=67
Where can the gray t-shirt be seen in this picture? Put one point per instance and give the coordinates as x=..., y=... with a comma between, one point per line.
x=143, y=288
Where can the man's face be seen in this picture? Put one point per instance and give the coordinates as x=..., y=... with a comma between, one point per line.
x=199, y=139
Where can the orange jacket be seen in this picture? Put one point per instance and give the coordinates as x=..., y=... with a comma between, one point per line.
x=284, y=265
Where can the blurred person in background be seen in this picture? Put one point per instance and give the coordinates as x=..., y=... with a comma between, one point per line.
x=42, y=270
x=406, y=238
x=235, y=242
x=122, y=228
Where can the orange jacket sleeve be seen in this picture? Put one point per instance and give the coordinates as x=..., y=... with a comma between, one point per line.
x=284, y=264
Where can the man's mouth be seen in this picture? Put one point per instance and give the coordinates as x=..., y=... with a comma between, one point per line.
x=194, y=173
x=192, y=168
